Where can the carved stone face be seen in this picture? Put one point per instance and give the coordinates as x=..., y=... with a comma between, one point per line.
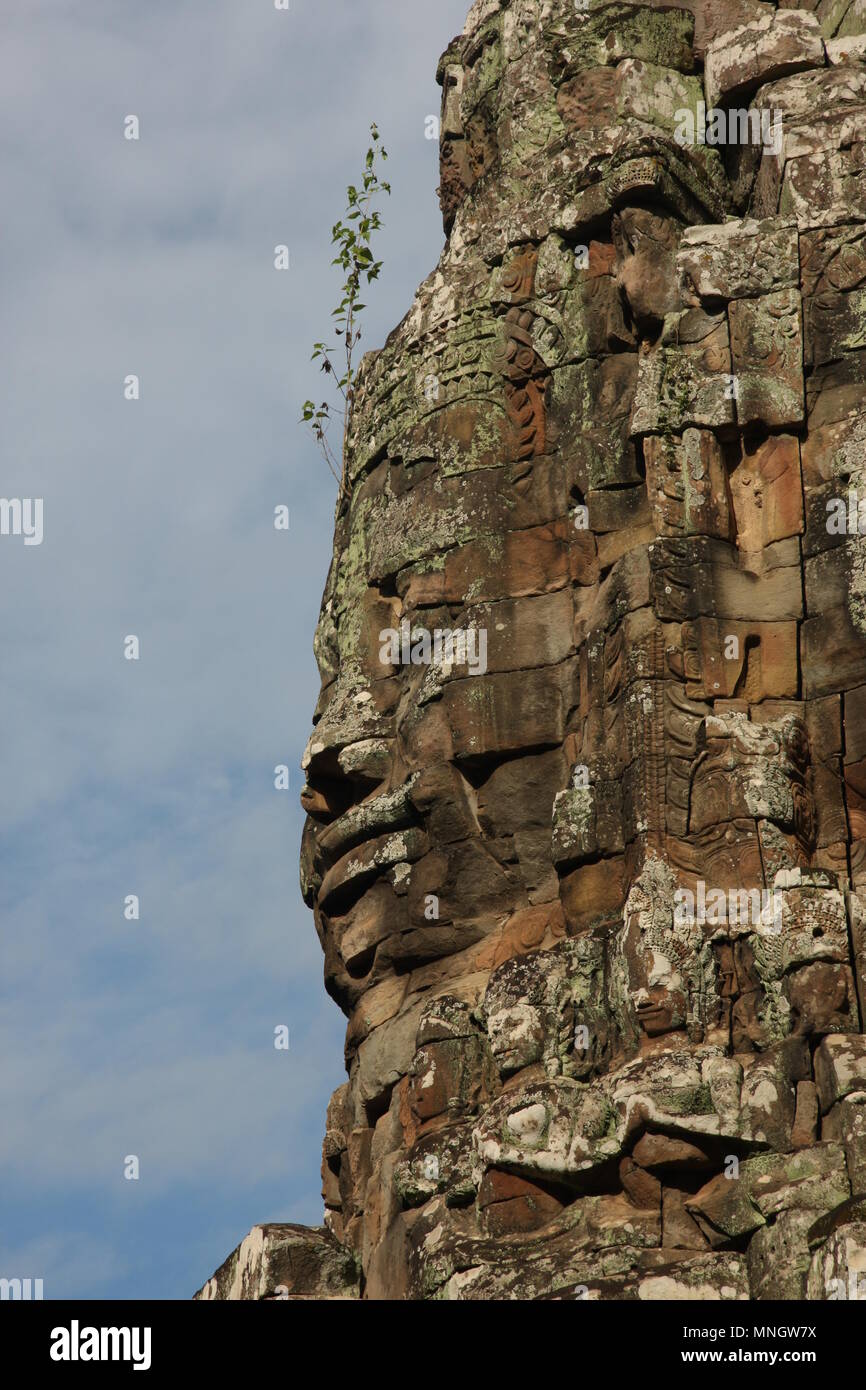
x=586, y=641
x=646, y=246
x=658, y=979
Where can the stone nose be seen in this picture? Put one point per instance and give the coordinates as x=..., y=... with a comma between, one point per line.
x=339, y=779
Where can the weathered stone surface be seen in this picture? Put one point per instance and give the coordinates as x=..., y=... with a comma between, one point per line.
x=840, y=1068
x=767, y=359
x=838, y=1267
x=593, y=895
x=812, y=169
x=765, y=49
x=814, y=1179
x=779, y=1256
x=806, y=1116
x=286, y=1262
x=740, y=260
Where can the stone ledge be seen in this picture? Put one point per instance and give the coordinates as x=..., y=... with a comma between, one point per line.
x=284, y=1263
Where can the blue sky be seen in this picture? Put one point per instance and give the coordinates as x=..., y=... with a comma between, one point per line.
x=155, y=777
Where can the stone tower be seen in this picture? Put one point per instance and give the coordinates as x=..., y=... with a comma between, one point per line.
x=586, y=791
